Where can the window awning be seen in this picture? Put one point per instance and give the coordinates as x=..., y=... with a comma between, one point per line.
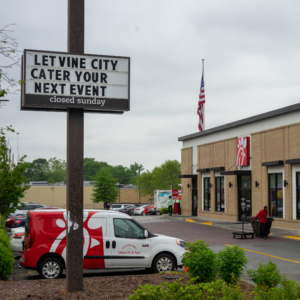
x=293, y=161
x=203, y=170
x=273, y=163
x=217, y=169
x=237, y=172
x=188, y=176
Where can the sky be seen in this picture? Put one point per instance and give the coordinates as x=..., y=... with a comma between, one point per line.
x=252, y=59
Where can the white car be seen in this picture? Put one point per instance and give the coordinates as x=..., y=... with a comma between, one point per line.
x=28, y=206
x=17, y=237
x=140, y=209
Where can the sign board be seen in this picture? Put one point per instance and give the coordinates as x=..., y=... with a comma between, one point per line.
x=243, y=151
x=175, y=193
x=61, y=80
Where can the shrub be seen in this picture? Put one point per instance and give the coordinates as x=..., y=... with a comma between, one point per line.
x=165, y=210
x=266, y=275
x=6, y=256
x=177, y=291
x=288, y=290
x=231, y=262
x=201, y=261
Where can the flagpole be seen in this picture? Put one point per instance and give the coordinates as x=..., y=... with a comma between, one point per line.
x=204, y=103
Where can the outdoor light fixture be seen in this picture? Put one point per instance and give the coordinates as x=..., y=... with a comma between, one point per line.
x=230, y=184
x=285, y=183
x=210, y=185
x=188, y=185
x=256, y=184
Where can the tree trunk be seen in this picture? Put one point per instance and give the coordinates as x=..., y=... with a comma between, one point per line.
x=2, y=219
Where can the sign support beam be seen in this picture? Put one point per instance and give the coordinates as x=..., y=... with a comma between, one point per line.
x=75, y=147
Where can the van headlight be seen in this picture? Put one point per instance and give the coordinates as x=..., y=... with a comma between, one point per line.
x=181, y=244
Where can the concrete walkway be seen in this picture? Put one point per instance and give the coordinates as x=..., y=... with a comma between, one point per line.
x=279, y=232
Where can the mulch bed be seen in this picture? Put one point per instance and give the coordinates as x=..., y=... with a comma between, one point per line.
x=118, y=287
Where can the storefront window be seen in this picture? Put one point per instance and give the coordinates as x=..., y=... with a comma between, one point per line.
x=220, y=204
x=276, y=195
x=206, y=184
x=298, y=195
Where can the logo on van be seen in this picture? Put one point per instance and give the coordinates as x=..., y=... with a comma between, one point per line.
x=243, y=151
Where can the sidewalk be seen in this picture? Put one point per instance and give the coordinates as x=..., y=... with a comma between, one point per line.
x=279, y=232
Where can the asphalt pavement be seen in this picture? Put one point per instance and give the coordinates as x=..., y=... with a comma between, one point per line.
x=278, y=248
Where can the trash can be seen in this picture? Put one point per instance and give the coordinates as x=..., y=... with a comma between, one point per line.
x=256, y=225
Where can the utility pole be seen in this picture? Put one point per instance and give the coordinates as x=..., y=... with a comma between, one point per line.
x=75, y=140
x=139, y=185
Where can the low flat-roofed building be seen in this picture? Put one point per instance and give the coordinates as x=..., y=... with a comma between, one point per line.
x=232, y=171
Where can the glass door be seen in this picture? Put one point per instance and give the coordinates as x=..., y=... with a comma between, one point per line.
x=194, y=197
x=244, y=197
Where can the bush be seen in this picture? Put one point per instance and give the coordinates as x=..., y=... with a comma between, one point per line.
x=6, y=256
x=201, y=261
x=231, y=262
x=288, y=290
x=178, y=291
x=266, y=275
x=165, y=210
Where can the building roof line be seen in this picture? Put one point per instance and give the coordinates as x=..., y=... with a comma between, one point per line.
x=249, y=120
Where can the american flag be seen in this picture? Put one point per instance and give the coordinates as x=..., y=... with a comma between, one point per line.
x=201, y=102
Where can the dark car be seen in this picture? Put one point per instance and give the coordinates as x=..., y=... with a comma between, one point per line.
x=154, y=211
x=19, y=222
x=127, y=210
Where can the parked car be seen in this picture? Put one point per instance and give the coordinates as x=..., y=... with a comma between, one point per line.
x=24, y=208
x=17, y=237
x=46, y=207
x=154, y=211
x=10, y=221
x=146, y=210
x=112, y=240
x=19, y=222
x=119, y=206
x=127, y=210
x=138, y=210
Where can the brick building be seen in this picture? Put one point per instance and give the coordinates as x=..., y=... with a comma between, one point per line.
x=231, y=171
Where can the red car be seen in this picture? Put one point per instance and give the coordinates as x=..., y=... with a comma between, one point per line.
x=10, y=221
x=145, y=212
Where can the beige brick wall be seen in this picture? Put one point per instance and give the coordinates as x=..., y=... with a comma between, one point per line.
x=186, y=168
x=56, y=196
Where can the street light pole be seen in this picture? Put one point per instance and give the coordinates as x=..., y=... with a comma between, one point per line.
x=139, y=185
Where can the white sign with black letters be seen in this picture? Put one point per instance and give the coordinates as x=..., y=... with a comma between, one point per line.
x=59, y=80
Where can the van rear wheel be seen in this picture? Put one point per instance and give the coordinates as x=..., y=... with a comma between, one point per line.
x=163, y=263
x=50, y=268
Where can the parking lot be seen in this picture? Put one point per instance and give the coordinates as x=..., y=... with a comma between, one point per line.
x=282, y=251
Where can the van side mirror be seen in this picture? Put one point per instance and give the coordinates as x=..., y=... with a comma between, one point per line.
x=146, y=234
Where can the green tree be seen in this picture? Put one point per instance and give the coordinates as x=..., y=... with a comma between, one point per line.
x=38, y=170
x=104, y=187
x=10, y=58
x=12, y=178
x=91, y=167
x=57, y=170
x=145, y=184
x=167, y=174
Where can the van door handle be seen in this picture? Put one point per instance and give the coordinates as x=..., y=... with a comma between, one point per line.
x=114, y=244
x=107, y=244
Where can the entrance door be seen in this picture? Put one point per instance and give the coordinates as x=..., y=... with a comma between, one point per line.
x=194, y=197
x=244, y=197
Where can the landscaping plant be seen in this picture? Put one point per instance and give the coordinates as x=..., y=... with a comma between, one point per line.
x=201, y=261
x=266, y=275
x=231, y=262
x=6, y=256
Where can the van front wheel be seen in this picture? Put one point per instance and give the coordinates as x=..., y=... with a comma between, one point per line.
x=50, y=268
x=163, y=263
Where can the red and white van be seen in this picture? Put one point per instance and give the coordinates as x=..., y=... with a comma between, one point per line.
x=110, y=240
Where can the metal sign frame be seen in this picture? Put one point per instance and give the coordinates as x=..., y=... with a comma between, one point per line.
x=37, y=101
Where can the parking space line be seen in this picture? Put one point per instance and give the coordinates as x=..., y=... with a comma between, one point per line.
x=296, y=262
x=293, y=237
x=207, y=223
x=32, y=272
x=189, y=220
